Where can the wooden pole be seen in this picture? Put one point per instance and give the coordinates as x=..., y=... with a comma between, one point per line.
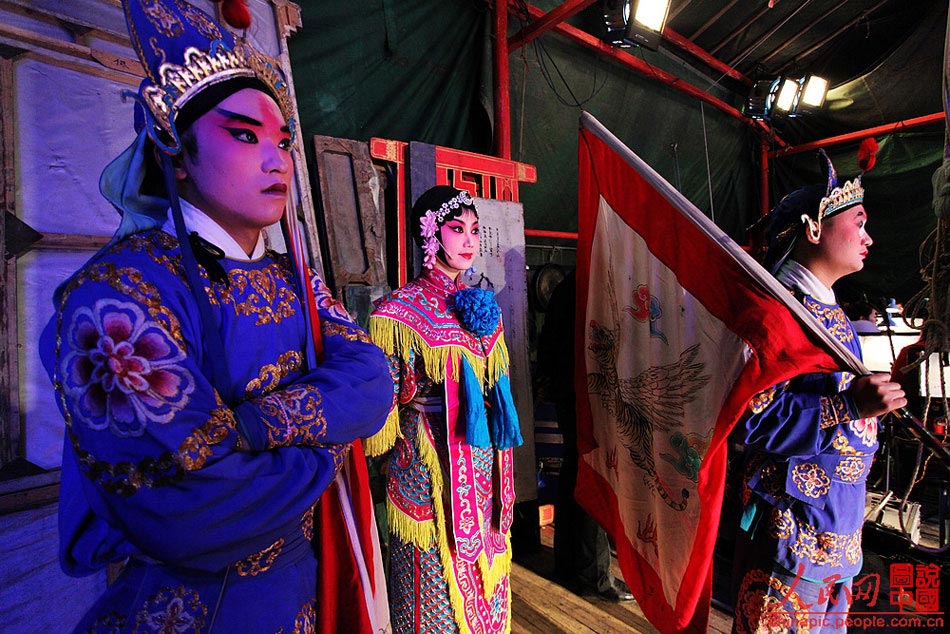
x=501, y=97
x=764, y=182
x=889, y=128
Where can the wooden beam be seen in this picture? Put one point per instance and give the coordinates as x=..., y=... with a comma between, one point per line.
x=808, y=28
x=742, y=29
x=712, y=20
x=769, y=33
x=675, y=12
x=565, y=10
x=764, y=176
x=636, y=64
x=30, y=9
x=71, y=241
x=547, y=22
x=681, y=42
x=585, y=39
x=42, y=44
x=820, y=44
x=890, y=128
x=544, y=233
x=10, y=445
x=29, y=492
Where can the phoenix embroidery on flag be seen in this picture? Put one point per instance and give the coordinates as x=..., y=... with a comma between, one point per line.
x=652, y=401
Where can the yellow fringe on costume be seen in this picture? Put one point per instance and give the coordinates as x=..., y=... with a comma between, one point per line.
x=423, y=534
x=383, y=440
x=395, y=337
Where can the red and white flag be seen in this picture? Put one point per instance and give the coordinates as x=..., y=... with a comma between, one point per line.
x=677, y=329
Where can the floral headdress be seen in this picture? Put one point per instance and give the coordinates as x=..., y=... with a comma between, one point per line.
x=432, y=219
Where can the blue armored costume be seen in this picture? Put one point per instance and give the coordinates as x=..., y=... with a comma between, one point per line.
x=808, y=449
x=200, y=430
x=212, y=503
x=811, y=454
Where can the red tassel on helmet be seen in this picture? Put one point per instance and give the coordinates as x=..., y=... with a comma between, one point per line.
x=235, y=13
x=867, y=154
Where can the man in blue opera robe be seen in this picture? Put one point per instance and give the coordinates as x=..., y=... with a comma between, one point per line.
x=199, y=438
x=810, y=440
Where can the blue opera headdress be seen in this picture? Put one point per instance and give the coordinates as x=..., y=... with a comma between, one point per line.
x=184, y=52
x=191, y=64
x=804, y=209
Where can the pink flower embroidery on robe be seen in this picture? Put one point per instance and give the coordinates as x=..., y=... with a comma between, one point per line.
x=122, y=369
x=865, y=429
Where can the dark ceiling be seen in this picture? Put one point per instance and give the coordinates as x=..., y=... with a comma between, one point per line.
x=839, y=39
x=889, y=51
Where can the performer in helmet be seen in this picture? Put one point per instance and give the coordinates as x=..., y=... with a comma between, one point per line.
x=450, y=489
x=200, y=433
x=810, y=441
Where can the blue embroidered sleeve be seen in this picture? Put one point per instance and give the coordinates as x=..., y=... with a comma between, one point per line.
x=346, y=398
x=153, y=463
x=796, y=418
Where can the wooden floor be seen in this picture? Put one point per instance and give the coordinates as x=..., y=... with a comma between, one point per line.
x=541, y=606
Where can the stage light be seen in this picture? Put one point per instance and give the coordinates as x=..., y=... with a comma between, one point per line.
x=648, y=19
x=637, y=22
x=616, y=17
x=757, y=105
x=787, y=96
x=813, y=94
x=651, y=14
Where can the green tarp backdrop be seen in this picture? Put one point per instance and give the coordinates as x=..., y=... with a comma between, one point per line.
x=421, y=71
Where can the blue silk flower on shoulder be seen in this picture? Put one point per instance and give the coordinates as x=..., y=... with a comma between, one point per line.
x=477, y=310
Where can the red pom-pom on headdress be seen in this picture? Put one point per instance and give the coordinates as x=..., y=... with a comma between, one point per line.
x=867, y=154
x=235, y=13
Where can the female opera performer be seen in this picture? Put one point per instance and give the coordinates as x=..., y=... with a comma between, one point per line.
x=450, y=487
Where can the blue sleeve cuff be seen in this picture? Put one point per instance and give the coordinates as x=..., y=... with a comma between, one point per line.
x=250, y=426
x=853, y=413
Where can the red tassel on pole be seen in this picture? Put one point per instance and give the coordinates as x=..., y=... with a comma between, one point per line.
x=867, y=154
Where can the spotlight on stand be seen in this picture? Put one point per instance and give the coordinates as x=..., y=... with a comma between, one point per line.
x=637, y=22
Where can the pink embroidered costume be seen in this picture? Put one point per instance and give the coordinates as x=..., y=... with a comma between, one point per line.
x=450, y=489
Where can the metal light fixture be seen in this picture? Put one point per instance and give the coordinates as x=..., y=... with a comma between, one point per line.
x=785, y=95
x=813, y=91
x=616, y=17
x=651, y=14
x=637, y=22
x=757, y=105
